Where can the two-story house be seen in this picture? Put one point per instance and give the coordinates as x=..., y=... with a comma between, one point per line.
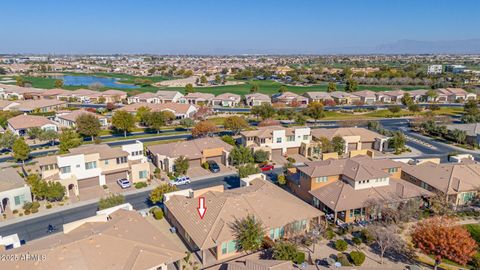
x=345, y=188
x=459, y=182
x=95, y=165
x=277, y=140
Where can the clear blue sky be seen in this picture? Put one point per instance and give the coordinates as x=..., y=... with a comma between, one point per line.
x=227, y=26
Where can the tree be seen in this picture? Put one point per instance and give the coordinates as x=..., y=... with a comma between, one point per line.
x=229, y=139
x=394, y=109
x=156, y=195
x=332, y=87
x=247, y=169
x=187, y=122
x=351, y=85
x=358, y=257
x=315, y=110
x=203, y=79
x=88, y=125
x=249, y=233
x=58, y=83
x=54, y=191
x=285, y=251
x=111, y=201
x=385, y=239
x=261, y=156
x=34, y=133
x=123, y=120
x=235, y=124
x=281, y=179
x=407, y=100
x=48, y=135
x=341, y=245
x=264, y=111
x=69, y=139
x=21, y=150
x=37, y=185
x=142, y=114
x=432, y=95
x=218, y=79
x=156, y=120
x=398, y=142
x=7, y=139
x=181, y=165
x=189, y=88
x=240, y=155
x=444, y=239
x=414, y=108
x=338, y=144
x=282, y=89
x=254, y=88
x=204, y=128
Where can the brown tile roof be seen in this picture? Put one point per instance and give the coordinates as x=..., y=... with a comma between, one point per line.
x=10, y=179
x=30, y=105
x=28, y=121
x=340, y=196
x=113, y=92
x=250, y=264
x=176, y=107
x=126, y=241
x=358, y=168
x=105, y=151
x=267, y=202
x=257, y=96
x=73, y=115
x=192, y=149
x=448, y=178
x=365, y=134
x=198, y=95
x=228, y=96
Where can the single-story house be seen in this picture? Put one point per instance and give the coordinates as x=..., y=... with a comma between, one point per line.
x=256, y=99
x=22, y=123
x=226, y=100
x=68, y=119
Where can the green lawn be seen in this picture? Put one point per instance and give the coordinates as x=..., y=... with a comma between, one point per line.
x=474, y=230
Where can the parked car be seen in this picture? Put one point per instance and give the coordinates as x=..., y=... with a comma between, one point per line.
x=124, y=183
x=213, y=166
x=181, y=180
x=266, y=167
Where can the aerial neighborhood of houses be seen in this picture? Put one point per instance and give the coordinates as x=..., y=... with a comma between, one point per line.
x=197, y=178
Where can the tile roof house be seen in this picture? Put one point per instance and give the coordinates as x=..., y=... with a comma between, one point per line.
x=279, y=211
x=197, y=98
x=39, y=105
x=344, y=188
x=355, y=138
x=20, y=124
x=366, y=96
x=256, y=99
x=289, y=98
x=95, y=165
x=343, y=97
x=227, y=100
x=16, y=92
x=68, y=119
x=124, y=240
x=472, y=130
x=317, y=96
x=179, y=110
x=419, y=95
x=14, y=192
x=197, y=151
x=114, y=96
x=459, y=182
x=454, y=95
x=158, y=97
x=394, y=96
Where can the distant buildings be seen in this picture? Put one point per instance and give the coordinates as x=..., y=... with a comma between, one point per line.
x=434, y=69
x=455, y=68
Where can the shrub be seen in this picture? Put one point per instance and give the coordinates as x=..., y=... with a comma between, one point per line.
x=15, y=211
x=34, y=210
x=104, y=186
x=281, y=179
x=357, y=257
x=357, y=241
x=300, y=258
x=35, y=205
x=367, y=237
x=329, y=234
x=205, y=165
x=111, y=201
x=140, y=185
x=157, y=213
x=341, y=245
x=27, y=212
x=267, y=243
x=27, y=206
x=48, y=206
x=20, y=215
x=290, y=159
x=343, y=260
x=261, y=156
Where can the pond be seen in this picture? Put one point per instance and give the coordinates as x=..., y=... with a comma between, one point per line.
x=70, y=80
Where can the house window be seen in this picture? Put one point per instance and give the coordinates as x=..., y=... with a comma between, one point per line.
x=279, y=140
x=121, y=160
x=424, y=185
x=321, y=179
x=289, y=138
x=142, y=174
x=19, y=199
x=66, y=169
x=305, y=137
x=224, y=248
x=392, y=170
x=106, y=161
x=91, y=165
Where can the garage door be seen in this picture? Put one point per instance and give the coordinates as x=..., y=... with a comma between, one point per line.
x=217, y=159
x=352, y=146
x=367, y=145
x=195, y=162
x=88, y=182
x=113, y=177
x=276, y=152
x=292, y=151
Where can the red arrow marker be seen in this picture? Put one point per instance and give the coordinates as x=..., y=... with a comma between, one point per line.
x=201, y=207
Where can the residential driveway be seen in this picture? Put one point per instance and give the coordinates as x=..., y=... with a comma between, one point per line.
x=89, y=193
x=199, y=172
x=281, y=160
x=115, y=188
